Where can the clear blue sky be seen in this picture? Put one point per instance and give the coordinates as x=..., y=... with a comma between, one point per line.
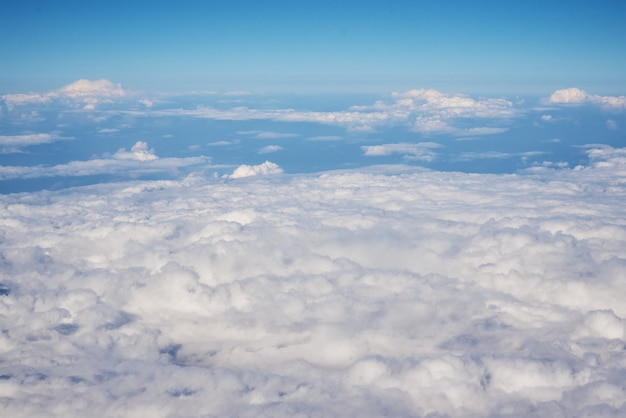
x=371, y=46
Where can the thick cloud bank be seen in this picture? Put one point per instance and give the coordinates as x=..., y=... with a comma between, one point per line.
x=405, y=293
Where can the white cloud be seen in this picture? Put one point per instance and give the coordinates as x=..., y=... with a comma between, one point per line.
x=269, y=149
x=570, y=95
x=24, y=140
x=138, y=161
x=266, y=168
x=87, y=92
x=348, y=293
x=467, y=156
x=138, y=152
x=421, y=151
x=575, y=95
x=426, y=111
x=221, y=143
x=108, y=130
x=88, y=89
x=268, y=134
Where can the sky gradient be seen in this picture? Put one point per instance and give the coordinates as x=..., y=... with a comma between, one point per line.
x=365, y=46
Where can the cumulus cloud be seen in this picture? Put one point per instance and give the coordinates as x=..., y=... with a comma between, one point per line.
x=266, y=168
x=352, y=293
x=138, y=152
x=575, y=95
x=87, y=92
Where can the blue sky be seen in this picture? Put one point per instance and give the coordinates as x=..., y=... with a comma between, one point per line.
x=357, y=46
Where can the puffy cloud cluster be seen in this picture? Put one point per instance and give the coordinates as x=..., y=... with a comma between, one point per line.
x=575, y=95
x=354, y=293
x=245, y=170
x=87, y=92
x=138, y=152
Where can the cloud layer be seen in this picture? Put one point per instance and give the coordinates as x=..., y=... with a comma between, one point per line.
x=342, y=294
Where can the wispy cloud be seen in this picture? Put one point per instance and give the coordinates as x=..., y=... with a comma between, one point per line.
x=422, y=151
x=140, y=160
x=268, y=134
x=24, y=140
x=269, y=149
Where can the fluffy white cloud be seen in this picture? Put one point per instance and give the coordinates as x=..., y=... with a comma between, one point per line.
x=570, y=95
x=342, y=294
x=87, y=92
x=91, y=89
x=139, y=152
x=575, y=95
x=266, y=168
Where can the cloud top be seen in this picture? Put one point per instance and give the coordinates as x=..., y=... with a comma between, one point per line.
x=138, y=152
x=266, y=168
x=575, y=95
x=87, y=92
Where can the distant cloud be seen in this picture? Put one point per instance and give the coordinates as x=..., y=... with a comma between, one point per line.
x=491, y=155
x=254, y=170
x=268, y=134
x=420, y=151
x=424, y=111
x=221, y=143
x=269, y=149
x=575, y=95
x=138, y=152
x=611, y=125
x=25, y=140
x=138, y=161
x=87, y=92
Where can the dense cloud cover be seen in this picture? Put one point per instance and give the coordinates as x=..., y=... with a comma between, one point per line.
x=379, y=292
